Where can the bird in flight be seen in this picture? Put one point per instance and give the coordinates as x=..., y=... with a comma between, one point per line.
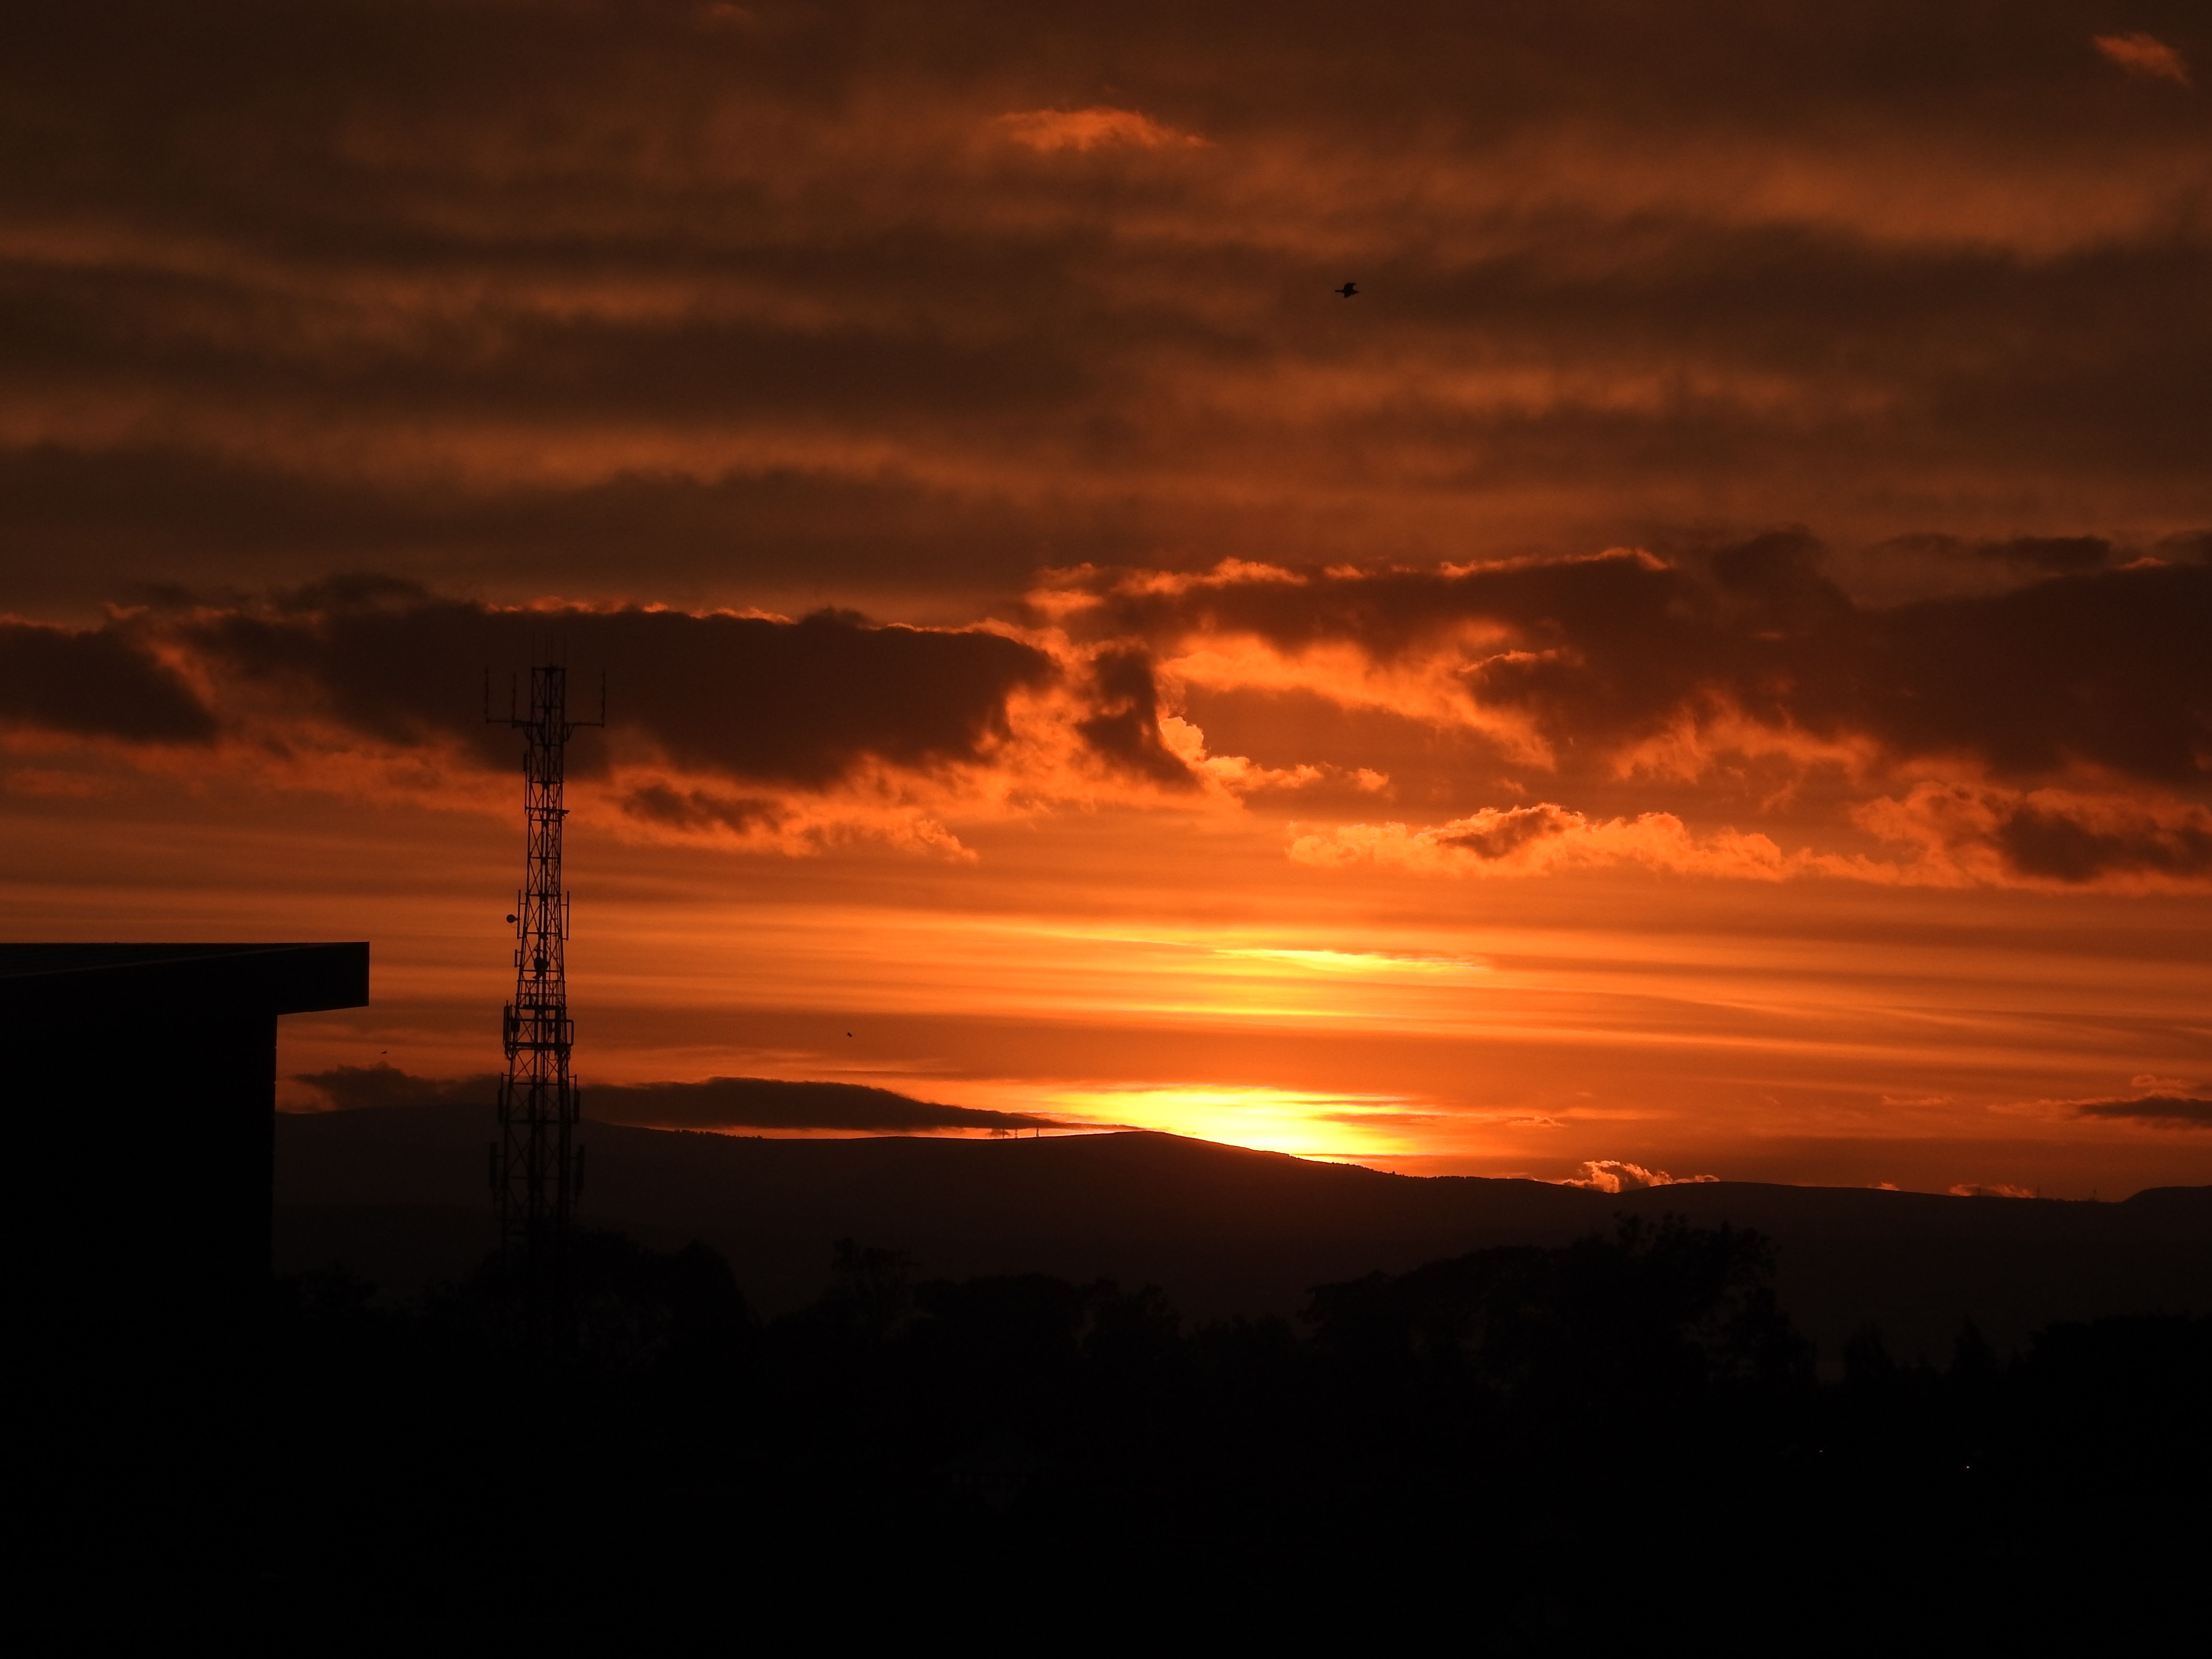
x=1350, y=290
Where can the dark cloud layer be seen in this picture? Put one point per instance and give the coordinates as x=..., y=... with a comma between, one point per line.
x=720, y=1103
x=2062, y=847
x=2094, y=679
x=751, y=1102
x=1127, y=729
x=2105, y=668
x=774, y=305
x=2165, y=1111
x=799, y=703
x=96, y=682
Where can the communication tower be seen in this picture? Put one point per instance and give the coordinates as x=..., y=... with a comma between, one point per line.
x=537, y=1163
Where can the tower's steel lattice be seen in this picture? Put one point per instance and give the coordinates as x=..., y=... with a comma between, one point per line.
x=537, y=1163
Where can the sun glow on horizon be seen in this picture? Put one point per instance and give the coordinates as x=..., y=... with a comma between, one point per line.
x=1361, y=961
x=1302, y=1123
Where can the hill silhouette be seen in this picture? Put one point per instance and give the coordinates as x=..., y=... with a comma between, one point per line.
x=396, y=1192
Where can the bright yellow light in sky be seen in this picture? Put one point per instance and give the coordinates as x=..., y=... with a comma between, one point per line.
x=1305, y=1124
x=1359, y=962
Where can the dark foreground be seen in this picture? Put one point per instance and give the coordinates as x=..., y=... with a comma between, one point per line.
x=1618, y=1440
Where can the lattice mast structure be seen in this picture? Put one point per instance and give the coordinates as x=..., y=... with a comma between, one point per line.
x=537, y=1163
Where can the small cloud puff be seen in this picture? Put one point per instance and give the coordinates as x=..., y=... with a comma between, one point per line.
x=1543, y=838
x=2144, y=54
x=1047, y=130
x=1611, y=1175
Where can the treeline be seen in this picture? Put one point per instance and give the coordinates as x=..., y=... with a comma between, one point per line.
x=1546, y=1444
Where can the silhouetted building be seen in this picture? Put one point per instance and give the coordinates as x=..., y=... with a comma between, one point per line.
x=144, y=1081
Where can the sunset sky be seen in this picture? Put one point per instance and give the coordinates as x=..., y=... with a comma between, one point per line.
x=1704, y=666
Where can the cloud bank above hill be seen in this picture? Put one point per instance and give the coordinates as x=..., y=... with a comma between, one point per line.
x=716, y=1103
x=2056, y=731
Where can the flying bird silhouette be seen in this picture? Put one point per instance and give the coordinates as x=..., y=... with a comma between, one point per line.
x=1350, y=290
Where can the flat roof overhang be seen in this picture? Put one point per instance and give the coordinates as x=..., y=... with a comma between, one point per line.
x=261, y=978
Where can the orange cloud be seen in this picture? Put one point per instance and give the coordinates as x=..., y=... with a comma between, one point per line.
x=2145, y=54
x=1613, y=1174
x=1094, y=128
x=1761, y=693
x=1625, y=662
x=1965, y=834
x=741, y=731
x=1952, y=834
x=1539, y=840
x=1956, y=835
x=876, y=806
